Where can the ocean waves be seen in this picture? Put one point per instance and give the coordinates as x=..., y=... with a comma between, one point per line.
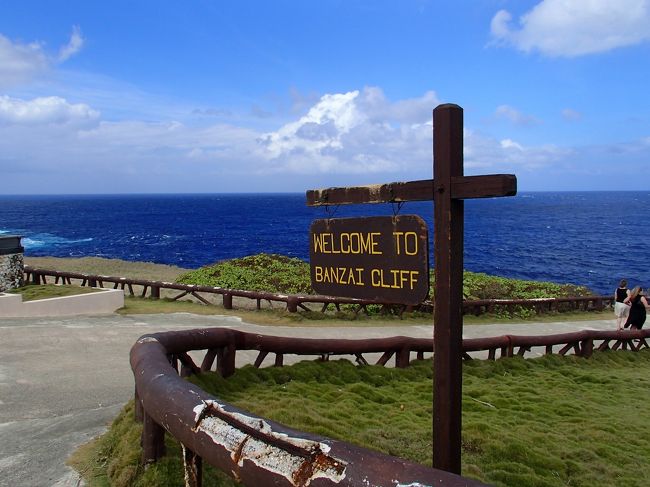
x=580, y=238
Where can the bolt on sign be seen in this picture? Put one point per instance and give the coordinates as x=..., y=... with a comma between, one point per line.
x=383, y=258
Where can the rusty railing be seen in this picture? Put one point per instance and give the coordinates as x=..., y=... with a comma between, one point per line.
x=300, y=301
x=257, y=451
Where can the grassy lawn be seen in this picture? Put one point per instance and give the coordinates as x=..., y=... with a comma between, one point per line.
x=551, y=421
x=279, y=316
x=276, y=273
x=108, y=267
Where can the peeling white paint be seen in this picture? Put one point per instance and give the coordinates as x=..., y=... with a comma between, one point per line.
x=273, y=459
x=413, y=484
x=147, y=340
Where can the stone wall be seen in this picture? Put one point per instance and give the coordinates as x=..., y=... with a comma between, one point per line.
x=12, y=266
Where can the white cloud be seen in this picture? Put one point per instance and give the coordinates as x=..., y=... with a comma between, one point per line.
x=571, y=115
x=515, y=116
x=20, y=63
x=354, y=132
x=507, y=155
x=319, y=130
x=73, y=46
x=569, y=28
x=359, y=137
x=46, y=110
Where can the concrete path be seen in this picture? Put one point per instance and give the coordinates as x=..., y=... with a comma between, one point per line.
x=63, y=380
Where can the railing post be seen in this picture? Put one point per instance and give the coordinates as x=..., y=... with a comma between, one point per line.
x=138, y=410
x=193, y=466
x=587, y=347
x=292, y=304
x=153, y=440
x=227, y=301
x=226, y=360
x=402, y=358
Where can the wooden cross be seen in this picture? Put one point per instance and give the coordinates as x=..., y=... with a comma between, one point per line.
x=448, y=190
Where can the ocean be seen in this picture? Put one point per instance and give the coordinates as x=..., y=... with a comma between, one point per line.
x=586, y=238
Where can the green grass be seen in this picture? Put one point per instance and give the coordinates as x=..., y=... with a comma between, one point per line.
x=108, y=267
x=113, y=459
x=279, y=316
x=33, y=292
x=281, y=274
x=552, y=421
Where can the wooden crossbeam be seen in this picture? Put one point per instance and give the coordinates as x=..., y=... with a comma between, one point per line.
x=487, y=186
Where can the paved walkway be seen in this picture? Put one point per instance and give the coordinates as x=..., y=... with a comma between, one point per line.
x=63, y=380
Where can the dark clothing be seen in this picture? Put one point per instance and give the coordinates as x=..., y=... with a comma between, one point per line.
x=621, y=294
x=636, y=319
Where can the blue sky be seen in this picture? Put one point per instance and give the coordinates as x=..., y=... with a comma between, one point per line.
x=250, y=96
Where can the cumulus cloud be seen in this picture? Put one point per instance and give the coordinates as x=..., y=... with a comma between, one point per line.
x=354, y=132
x=20, y=62
x=357, y=136
x=45, y=110
x=570, y=28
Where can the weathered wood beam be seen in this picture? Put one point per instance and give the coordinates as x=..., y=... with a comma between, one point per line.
x=464, y=187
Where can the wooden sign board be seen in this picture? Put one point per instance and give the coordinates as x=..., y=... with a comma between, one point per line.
x=384, y=258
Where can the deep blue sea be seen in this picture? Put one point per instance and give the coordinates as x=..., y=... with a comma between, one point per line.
x=588, y=238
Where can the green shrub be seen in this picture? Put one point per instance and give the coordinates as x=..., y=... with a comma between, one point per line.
x=261, y=272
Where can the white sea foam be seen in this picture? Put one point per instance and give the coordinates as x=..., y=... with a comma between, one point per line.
x=41, y=240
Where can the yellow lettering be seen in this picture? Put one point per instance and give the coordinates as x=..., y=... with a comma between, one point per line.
x=410, y=242
x=359, y=277
x=396, y=236
x=374, y=278
x=395, y=273
x=375, y=243
x=414, y=243
x=326, y=243
x=355, y=245
x=414, y=278
x=345, y=249
x=318, y=242
x=318, y=273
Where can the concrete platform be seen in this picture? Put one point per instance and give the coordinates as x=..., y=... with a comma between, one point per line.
x=101, y=302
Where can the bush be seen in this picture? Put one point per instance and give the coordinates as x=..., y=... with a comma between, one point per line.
x=261, y=272
x=281, y=274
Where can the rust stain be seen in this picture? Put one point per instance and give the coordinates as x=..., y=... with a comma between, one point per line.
x=250, y=438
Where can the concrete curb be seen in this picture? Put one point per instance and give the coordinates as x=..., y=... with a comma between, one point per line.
x=104, y=301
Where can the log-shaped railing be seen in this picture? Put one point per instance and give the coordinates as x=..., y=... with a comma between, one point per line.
x=254, y=450
x=294, y=302
x=257, y=451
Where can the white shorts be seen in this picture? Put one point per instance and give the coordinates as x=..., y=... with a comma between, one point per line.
x=621, y=310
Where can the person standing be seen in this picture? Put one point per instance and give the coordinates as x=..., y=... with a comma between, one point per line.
x=621, y=309
x=638, y=305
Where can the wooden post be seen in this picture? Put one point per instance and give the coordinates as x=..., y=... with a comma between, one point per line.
x=193, y=467
x=447, y=189
x=448, y=317
x=153, y=440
